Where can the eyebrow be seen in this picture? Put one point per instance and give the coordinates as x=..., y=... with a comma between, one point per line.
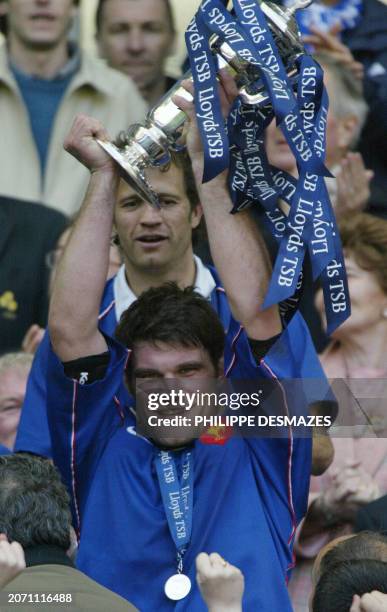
x=143, y=372
x=136, y=198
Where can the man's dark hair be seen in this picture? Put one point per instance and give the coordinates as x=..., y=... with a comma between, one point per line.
x=34, y=504
x=363, y=545
x=335, y=590
x=4, y=21
x=179, y=317
x=99, y=15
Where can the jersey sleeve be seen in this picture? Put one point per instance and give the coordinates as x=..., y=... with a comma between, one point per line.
x=281, y=456
x=33, y=434
x=82, y=418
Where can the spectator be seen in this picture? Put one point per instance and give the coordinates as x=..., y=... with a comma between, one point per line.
x=35, y=334
x=14, y=370
x=346, y=569
x=28, y=232
x=136, y=37
x=335, y=592
x=35, y=514
x=44, y=84
x=365, y=545
x=358, y=474
x=367, y=41
x=172, y=333
x=363, y=49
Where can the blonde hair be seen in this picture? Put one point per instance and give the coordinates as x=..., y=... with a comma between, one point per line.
x=16, y=360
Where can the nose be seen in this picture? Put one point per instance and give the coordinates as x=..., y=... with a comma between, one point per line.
x=136, y=40
x=151, y=216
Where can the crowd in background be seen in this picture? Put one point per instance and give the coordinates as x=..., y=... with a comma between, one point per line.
x=46, y=80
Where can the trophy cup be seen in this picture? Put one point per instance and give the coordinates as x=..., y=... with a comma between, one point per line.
x=150, y=144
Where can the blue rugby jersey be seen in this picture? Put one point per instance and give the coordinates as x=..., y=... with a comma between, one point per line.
x=249, y=494
x=4, y=450
x=33, y=433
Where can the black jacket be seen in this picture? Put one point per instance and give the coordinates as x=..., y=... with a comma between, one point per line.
x=27, y=233
x=368, y=43
x=373, y=516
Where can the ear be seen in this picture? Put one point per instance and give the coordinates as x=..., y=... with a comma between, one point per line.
x=346, y=129
x=72, y=551
x=196, y=215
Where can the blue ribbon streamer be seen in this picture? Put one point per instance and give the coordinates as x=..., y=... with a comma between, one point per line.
x=177, y=496
x=310, y=226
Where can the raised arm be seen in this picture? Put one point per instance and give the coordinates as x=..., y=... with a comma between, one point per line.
x=237, y=248
x=81, y=276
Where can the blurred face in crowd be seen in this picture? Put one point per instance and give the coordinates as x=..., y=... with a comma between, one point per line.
x=135, y=37
x=339, y=136
x=39, y=24
x=368, y=301
x=54, y=258
x=156, y=239
x=13, y=382
x=160, y=367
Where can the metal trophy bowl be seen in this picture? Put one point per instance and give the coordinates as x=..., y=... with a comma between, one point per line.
x=149, y=145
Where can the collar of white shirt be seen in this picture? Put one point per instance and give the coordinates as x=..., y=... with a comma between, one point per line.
x=124, y=296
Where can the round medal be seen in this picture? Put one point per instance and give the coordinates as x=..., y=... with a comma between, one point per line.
x=177, y=587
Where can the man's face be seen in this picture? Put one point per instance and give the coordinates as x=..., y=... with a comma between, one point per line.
x=160, y=368
x=13, y=382
x=156, y=239
x=135, y=37
x=39, y=24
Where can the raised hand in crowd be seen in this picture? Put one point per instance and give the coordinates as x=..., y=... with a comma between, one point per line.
x=221, y=584
x=12, y=560
x=32, y=339
x=329, y=43
x=370, y=602
x=353, y=185
x=351, y=488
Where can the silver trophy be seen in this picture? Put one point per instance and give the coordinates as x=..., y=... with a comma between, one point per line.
x=150, y=144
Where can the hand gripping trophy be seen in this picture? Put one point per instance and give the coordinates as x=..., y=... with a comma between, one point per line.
x=150, y=144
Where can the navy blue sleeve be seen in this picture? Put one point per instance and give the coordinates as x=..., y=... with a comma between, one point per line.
x=82, y=419
x=281, y=460
x=33, y=434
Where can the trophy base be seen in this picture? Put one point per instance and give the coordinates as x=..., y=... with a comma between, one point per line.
x=131, y=174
